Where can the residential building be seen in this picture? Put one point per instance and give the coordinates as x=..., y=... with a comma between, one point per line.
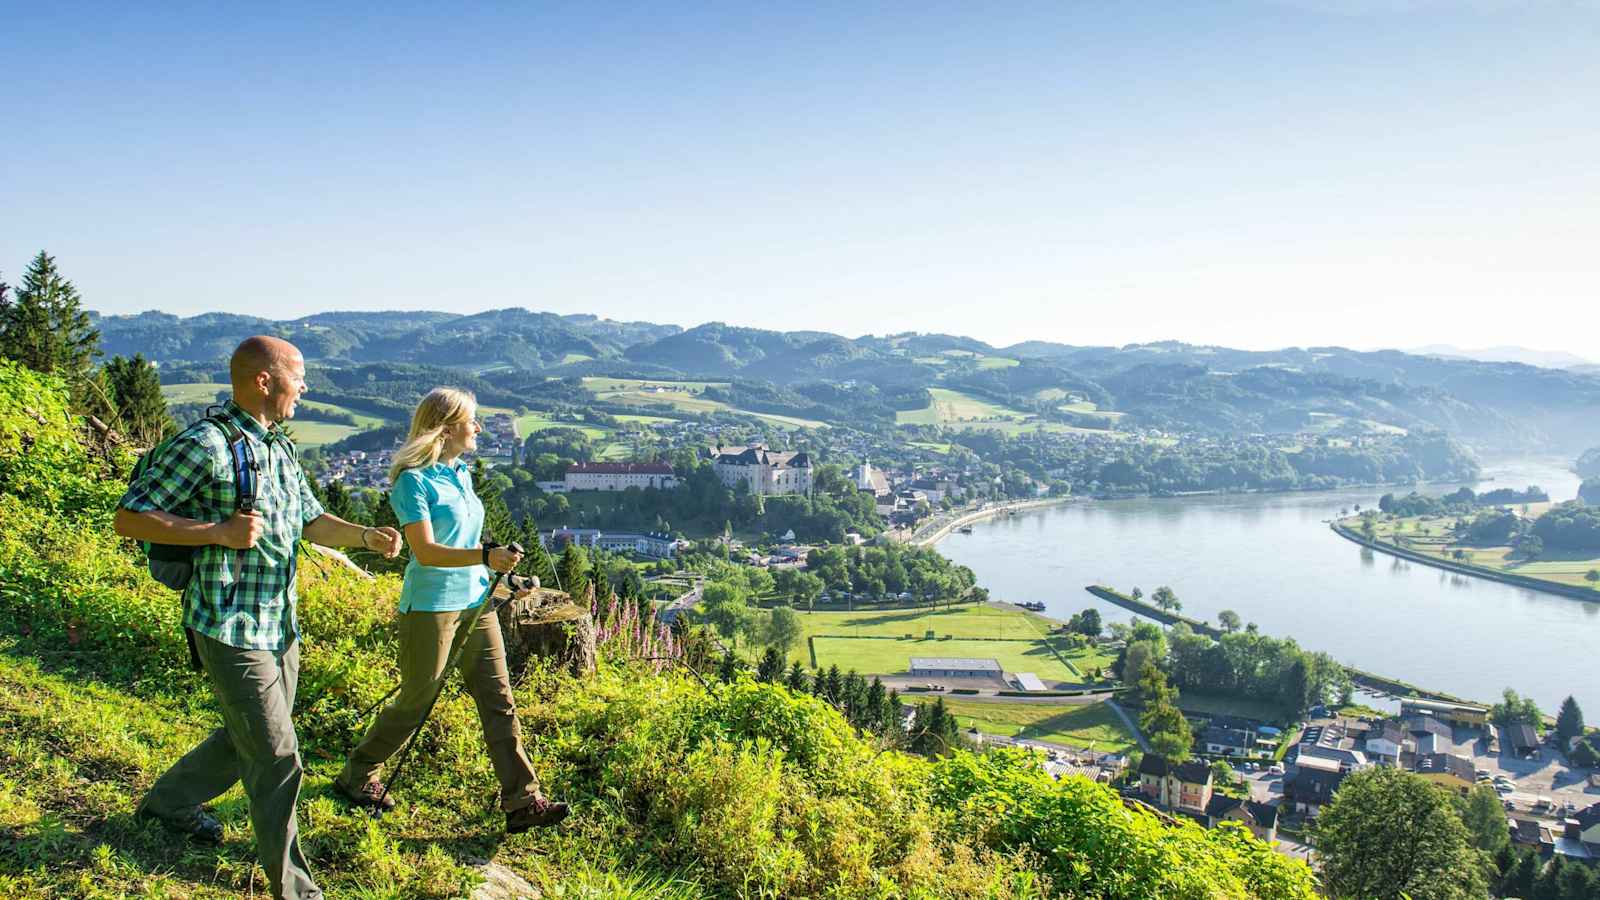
x=955, y=667
x=1260, y=818
x=1308, y=790
x=1385, y=743
x=1227, y=741
x=1445, y=769
x=1427, y=724
x=615, y=476
x=1347, y=760
x=1185, y=787
x=655, y=546
x=764, y=471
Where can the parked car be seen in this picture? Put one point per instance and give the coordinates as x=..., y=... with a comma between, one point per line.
x=1276, y=769
x=1503, y=788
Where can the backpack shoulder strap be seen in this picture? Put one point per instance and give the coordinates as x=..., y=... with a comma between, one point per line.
x=242, y=457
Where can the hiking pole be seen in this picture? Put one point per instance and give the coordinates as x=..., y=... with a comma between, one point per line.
x=458, y=646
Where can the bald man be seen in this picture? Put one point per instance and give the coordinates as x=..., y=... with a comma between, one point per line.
x=239, y=606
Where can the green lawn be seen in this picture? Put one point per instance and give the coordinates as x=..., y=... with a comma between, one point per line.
x=643, y=420
x=1079, y=726
x=932, y=446
x=363, y=420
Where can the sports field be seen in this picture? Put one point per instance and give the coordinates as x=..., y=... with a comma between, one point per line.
x=888, y=656
x=1093, y=726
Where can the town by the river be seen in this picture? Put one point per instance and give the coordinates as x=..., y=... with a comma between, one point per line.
x=1272, y=559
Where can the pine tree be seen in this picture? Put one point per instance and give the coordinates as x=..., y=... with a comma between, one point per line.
x=1569, y=721
x=728, y=670
x=872, y=706
x=796, y=679
x=539, y=564
x=497, y=522
x=600, y=578
x=833, y=686
x=854, y=697
x=771, y=668
x=141, y=411
x=45, y=328
x=571, y=570
x=336, y=500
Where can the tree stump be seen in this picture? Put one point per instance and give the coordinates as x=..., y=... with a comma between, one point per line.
x=547, y=623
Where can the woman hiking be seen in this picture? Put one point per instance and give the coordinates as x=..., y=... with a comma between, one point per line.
x=447, y=578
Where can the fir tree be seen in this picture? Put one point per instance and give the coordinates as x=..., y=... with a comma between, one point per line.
x=539, y=563
x=336, y=500
x=771, y=668
x=872, y=707
x=44, y=327
x=141, y=411
x=855, y=698
x=728, y=669
x=497, y=522
x=796, y=679
x=1569, y=721
x=571, y=571
x=833, y=686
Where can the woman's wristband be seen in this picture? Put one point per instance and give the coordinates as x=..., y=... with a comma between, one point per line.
x=486, y=554
x=364, y=530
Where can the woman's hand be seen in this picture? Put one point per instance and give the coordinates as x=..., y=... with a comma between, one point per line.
x=503, y=559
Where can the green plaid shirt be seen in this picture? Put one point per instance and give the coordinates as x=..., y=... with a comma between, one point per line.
x=243, y=598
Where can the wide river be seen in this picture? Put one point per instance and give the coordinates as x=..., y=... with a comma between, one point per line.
x=1272, y=559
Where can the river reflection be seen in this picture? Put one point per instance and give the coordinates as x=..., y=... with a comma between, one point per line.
x=1272, y=559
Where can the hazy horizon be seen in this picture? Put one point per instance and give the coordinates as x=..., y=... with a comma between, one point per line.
x=1245, y=174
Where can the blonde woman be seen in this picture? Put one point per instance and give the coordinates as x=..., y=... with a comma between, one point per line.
x=447, y=578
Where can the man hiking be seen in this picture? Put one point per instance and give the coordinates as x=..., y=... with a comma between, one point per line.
x=239, y=605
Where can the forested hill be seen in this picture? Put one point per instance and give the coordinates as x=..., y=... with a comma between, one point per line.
x=1166, y=385
x=681, y=785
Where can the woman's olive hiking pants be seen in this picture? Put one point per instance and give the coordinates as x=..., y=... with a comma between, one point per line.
x=425, y=640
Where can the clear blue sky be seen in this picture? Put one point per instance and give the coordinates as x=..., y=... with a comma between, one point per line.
x=1256, y=174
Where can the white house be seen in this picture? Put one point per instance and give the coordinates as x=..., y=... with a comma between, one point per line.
x=612, y=476
x=763, y=471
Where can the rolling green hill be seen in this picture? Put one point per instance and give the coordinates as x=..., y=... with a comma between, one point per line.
x=681, y=787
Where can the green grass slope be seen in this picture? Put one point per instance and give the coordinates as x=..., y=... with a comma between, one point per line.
x=679, y=788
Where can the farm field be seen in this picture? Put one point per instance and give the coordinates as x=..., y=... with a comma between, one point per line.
x=538, y=421
x=950, y=407
x=315, y=434
x=1093, y=726
x=682, y=396
x=192, y=392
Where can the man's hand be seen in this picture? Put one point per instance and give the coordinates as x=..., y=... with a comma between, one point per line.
x=383, y=540
x=503, y=559
x=241, y=531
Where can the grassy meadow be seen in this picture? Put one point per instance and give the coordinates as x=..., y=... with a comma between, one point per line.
x=1092, y=726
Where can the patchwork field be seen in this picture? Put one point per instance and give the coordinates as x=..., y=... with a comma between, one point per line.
x=1093, y=727
x=682, y=396
x=538, y=421
x=191, y=392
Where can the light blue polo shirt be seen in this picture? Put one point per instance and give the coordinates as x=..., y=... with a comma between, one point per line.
x=441, y=493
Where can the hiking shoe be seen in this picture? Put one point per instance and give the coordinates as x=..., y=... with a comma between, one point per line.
x=196, y=822
x=371, y=796
x=541, y=813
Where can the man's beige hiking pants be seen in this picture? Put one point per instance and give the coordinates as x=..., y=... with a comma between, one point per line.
x=256, y=745
x=425, y=640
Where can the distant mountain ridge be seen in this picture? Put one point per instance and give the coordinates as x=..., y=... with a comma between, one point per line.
x=1169, y=384
x=1543, y=359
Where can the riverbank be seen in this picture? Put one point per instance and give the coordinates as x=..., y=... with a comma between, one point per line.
x=1464, y=568
x=942, y=530
x=1368, y=681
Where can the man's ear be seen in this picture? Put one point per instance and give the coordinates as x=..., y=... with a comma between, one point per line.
x=264, y=381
